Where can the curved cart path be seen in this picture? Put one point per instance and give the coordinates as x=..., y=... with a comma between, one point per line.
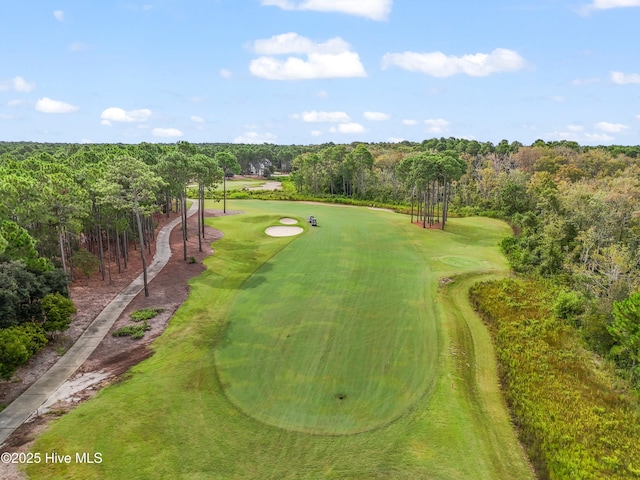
x=35, y=396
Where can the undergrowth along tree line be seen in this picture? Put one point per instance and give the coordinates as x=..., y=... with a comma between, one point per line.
x=573, y=416
x=69, y=210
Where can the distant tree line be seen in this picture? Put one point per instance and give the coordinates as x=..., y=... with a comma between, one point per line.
x=574, y=209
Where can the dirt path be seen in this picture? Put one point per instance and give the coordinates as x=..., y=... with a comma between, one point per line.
x=29, y=402
x=114, y=355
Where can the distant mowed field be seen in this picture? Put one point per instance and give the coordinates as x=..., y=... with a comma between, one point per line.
x=333, y=354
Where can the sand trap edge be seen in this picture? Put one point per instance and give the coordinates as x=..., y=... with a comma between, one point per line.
x=283, y=231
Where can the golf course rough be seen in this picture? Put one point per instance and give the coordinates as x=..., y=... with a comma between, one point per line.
x=329, y=355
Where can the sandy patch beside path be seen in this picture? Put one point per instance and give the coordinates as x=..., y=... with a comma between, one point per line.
x=268, y=186
x=381, y=209
x=283, y=231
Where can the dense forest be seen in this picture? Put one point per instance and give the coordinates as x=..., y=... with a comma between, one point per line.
x=575, y=209
x=71, y=209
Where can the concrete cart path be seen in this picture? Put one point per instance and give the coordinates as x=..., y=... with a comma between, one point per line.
x=37, y=394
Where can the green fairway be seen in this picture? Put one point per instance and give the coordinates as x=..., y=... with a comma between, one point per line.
x=332, y=354
x=240, y=183
x=326, y=337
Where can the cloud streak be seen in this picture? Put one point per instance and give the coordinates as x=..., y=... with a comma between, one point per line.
x=19, y=84
x=166, y=132
x=322, y=117
x=611, y=127
x=350, y=127
x=608, y=5
x=116, y=114
x=625, y=78
x=437, y=125
x=376, y=116
x=378, y=10
x=437, y=64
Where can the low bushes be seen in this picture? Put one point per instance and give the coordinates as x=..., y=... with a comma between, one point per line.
x=17, y=345
x=137, y=331
x=145, y=314
x=571, y=417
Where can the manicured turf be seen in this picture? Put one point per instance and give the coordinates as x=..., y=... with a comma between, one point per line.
x=325, y=337
x=240, y=183
x=218, y=400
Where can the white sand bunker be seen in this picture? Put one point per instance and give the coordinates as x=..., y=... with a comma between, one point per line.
x=283, y=231
x=288, y=221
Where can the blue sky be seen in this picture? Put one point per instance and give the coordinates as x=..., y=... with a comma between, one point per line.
x=315, y=71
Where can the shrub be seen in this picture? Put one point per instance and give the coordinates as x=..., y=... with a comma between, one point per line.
x=134, y=331
x=145, y=314
x=17, y=345
x=85, y=261
x=57, y=311
x=569, y=305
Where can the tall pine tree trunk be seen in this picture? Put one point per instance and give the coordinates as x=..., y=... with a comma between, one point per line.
x=141, y=238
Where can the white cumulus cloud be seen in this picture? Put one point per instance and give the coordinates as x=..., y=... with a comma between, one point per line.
x=116, y=114
x=609, y=4
x=409, y=122
x=611, y=127
x=598, y=138
x=166, y=132
x=197, y=119
x=437, y=64
x=255, y=138
x=224, y=73
x=625, y=78
x=437, y=125
x=376, y=116
x=59, y=15
x=47, y=105
x=351, y=127
x=19, y=84
x=322, y=117
x=293, y=43
x=373, y=9
x=331, y=59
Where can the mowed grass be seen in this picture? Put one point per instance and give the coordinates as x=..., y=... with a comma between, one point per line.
x=240, y=183
x=325, y=338
x=423, y=351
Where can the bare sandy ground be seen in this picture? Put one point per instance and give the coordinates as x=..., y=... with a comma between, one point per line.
x=283, y=231
x=267, y=186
